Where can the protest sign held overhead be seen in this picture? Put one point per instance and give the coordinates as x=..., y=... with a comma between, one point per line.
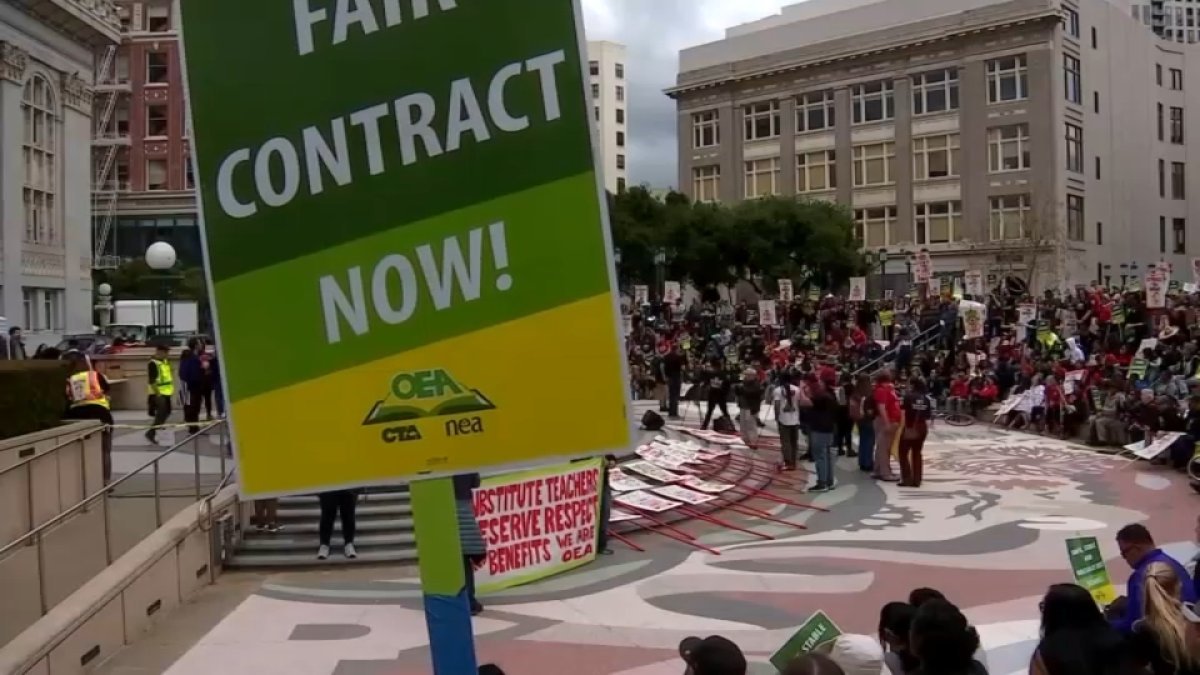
x=382, y=226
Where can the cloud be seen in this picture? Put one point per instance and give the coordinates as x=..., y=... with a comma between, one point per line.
x=653, y=32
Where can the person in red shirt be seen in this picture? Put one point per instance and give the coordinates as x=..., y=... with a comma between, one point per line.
x=984, y=394
x=960, y=392
x=918, y=415
x=1054, y=405
x=887, y=423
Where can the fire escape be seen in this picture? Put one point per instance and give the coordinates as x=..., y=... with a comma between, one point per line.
x=106, y=143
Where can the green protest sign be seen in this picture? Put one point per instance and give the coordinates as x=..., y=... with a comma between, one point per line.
x=817, y=630
x=1089, y=569
x=407, y=190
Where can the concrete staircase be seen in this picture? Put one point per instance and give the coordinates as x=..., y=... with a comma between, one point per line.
x=385, y=533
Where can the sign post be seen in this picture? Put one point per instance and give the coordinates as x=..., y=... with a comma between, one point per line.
x=369, y=250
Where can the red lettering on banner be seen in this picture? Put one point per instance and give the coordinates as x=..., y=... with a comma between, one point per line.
x=513, y=557
x=576, y=553
x=570, y=515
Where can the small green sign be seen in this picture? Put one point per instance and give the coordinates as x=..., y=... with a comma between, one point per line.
x=819, y=629
x=1089, y=568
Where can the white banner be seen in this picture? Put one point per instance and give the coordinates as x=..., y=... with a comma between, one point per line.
x=974, y=315
x=1153, y=449
x=537, y=523
x=684, y=495
x=766, y=313
x=924, y=267
x=672, y=292
x=620, y=481
x=651, y=471
x=787, y=292
x=645, y=501
x=858, y=289
x=1156, y=290
x=974, y=282
x=711, y=487
x=641, y=295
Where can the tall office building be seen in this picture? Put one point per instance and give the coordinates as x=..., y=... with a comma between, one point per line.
x=1175, y=20
x=47, y=61
x=610, y=103
x=1039, y=139
x=144, y=185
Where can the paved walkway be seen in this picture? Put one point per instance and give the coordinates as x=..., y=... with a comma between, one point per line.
x=987, y=528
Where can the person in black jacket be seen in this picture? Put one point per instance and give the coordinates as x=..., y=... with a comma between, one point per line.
x=716, y=379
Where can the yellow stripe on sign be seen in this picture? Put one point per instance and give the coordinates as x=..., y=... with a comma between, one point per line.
x=549, y=397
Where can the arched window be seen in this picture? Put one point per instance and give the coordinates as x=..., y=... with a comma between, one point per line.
x=41, y=139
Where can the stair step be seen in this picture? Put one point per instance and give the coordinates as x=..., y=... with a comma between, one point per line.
x=311, y=526
x=289, y=540
x=364, y=509
x=309, y=558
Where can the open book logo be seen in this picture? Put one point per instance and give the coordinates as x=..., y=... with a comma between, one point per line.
x=426, y=393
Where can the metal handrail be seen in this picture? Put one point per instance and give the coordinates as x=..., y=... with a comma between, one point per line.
x=923, y=336
x=35, y=536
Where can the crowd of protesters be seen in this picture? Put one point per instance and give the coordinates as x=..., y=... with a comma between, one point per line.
x=1152, y=630
x=1095, y=364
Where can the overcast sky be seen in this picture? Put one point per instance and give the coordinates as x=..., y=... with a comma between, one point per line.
x=653, y=32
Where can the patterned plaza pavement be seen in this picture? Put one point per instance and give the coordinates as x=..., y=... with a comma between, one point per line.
x=987, y=528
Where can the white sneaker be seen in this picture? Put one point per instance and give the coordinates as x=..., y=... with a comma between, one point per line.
x=323, y=552
x=350, y=551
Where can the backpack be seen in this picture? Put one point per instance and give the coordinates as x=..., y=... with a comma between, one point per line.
x=652, y=421
x=724, y=425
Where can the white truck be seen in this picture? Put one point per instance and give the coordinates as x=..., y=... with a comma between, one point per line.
x=137, y=319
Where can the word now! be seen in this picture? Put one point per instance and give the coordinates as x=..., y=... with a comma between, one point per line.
x=396, y=290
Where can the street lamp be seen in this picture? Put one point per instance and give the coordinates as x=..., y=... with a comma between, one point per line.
x=660, y=264
x=104, y=305
x=161, y=258
x=1107, y=277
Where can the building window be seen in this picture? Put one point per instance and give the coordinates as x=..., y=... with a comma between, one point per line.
x=706, y=129
x=596, y=112
x=1074, y=148
x=1162, y=178
x=620, y=161
x=156, y=120
x=1096, y=102
x=1075, y=217
x=1177, y=125
x=620, y=93
x=52, y=308
x=1097, y=167
x=1178, y=181
x=158, y=18
x=1071, y=21
x=874, y=226
x=620, y=116
x=619, y=69
x=156, y=174
x=1162, y=234
x=1179, y=226
x=706, y=183
x=935, y=92
x=1160, y=122
x=594, y=68
x=762, y=177
x=620, y=184
x=1177, y=79
x=43, y=308
x=1072, y=79
x=1099, y=232
x=814, y=112
x=874, y=164
x=762, y=121
x=121, y=68
x=1095, y=38
x=938, y=223
x=1008, y=217
x=189, y=177
x=816, y=171
x=1158, y=72
x=595, y=91
x=1008, y=79
x=1008, y=148
x=620, y=139
x=935, y=157
x=38, y=110
x=873, y=102
x=157, y=68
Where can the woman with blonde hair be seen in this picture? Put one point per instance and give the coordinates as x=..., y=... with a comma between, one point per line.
x=1161, y=638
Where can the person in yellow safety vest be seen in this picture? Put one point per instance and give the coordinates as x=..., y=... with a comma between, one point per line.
x=87, y=399
x=160, y=387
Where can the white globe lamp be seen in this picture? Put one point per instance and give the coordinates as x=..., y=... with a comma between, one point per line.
x=160, y=256
x=104, y=290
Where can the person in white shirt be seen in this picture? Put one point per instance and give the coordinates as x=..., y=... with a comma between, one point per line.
x=788, y=399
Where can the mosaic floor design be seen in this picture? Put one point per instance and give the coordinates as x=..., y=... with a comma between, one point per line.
x=994, y=505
